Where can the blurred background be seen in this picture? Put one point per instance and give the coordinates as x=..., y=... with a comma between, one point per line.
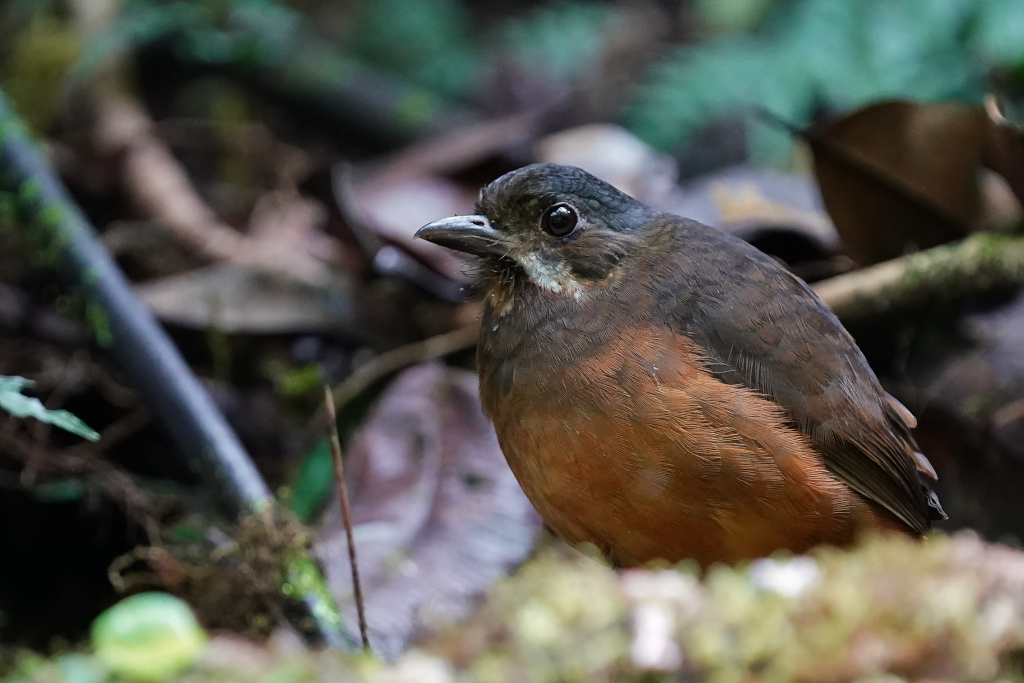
x=257, y=169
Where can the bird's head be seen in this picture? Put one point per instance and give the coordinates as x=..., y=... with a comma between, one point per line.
x=561, y=227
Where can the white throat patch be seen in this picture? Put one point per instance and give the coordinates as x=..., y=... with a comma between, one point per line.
x=554, y=277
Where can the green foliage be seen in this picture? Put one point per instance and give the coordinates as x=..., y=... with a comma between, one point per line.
x=66, y=491
x=312, y=482
x=19, y=405
x=807, y=53
x=428, y=41
x=431, y=43
x=842, y=54
x=221, y=32
x=997, y=32
x=561, y=40
x=300, y=381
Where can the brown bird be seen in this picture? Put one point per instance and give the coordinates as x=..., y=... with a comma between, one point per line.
x=664, y=390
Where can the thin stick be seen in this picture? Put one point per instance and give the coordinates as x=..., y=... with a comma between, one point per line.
x=346, y=515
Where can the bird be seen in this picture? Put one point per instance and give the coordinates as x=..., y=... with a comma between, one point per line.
x=664, y=391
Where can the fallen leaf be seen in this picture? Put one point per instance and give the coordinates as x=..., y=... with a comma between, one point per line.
x=395, y=208
x=438, y=515
x=455, y=151
x=901, y=175
x=240, y=300
x=386, y=203
x=286, y=220
x=1004, y=151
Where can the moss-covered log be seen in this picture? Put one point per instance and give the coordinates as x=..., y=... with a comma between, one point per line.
x=941, y=276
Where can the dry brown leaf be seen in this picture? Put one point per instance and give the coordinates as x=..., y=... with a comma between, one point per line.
x=901, y=175
x=396, y=207
x=1004, y=152
x=236, y=299
x=159, y=185
x=387, y=202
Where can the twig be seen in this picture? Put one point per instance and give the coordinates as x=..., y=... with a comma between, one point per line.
x=943, y=275
x=155, y=180
x=159, y=184
x=396, y=359
x=346, y=514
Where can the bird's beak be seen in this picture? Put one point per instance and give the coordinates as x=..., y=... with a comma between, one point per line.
x=469, y=234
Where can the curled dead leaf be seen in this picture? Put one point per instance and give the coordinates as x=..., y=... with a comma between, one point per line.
x=901, y=175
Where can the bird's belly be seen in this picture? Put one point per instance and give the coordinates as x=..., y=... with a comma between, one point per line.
x=641, y=453
x=635, y=515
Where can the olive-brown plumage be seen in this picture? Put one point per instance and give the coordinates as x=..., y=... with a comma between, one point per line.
x=662, y=389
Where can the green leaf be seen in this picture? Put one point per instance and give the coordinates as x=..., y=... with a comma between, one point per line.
x=67, y=491
x=313, y=483
x=698, y=85
x=19, y=405
x=148, y=637
x=300, y=381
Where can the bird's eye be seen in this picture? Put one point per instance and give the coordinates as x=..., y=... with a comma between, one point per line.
x=559, y=220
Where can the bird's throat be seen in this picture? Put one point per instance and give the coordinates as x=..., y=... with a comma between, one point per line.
x=504, y=282
x=550, y=275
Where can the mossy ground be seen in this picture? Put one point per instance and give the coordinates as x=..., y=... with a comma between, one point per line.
x=946, y=609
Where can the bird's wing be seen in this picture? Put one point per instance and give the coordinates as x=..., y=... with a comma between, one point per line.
x=789, y=346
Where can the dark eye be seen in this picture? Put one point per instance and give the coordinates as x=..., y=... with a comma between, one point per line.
x=559, y=220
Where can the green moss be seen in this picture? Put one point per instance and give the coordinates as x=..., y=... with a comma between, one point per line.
x=100, y=324
x=52, y=217
x=303, y=578
x=91, y=276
